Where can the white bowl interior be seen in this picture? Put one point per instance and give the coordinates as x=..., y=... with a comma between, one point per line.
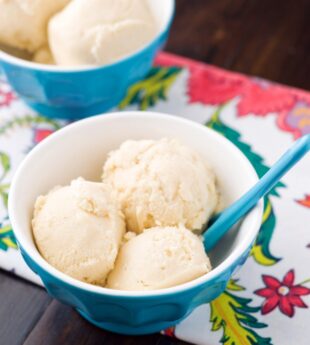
x=162, y=11
x=80, y=149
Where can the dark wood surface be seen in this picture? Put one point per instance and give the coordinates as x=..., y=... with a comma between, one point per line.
x=267, y=38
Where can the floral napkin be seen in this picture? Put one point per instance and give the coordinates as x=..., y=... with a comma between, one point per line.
x=266, y=302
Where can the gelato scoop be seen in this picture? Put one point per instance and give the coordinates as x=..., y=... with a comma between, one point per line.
x=91, y=32
x=43, y=55
x=78, y=229
x=23, y=23
x=161, y=183
x=159, y=258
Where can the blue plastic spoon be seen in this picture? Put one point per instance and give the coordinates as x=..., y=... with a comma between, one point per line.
x=223, y=222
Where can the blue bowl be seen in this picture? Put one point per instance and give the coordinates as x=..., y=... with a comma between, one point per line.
x=73, y=93
x=135, y=313
x=65, y=155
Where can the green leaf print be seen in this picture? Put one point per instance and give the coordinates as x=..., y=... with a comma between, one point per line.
x=154, y=87
x=29, y=120
x=4, y=193
x=5, y=166
x=7, y=239
x=233, y=315
x=5, y=163
x=261, y=250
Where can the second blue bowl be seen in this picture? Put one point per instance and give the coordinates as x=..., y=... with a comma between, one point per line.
x=80, y=92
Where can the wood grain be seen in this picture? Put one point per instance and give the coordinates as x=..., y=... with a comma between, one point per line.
x=65, y=326
x=21, y=306
x=267, y=38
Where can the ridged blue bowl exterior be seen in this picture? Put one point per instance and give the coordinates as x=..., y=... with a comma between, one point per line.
x=78, y=94
x=135, y=315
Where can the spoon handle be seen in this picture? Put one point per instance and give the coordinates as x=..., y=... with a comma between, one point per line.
x=233, y=213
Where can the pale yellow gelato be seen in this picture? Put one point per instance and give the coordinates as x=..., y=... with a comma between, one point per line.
x=43, y=55
x=92, y=32
x=159, y=258
x=78, y=229
x=162, y=190
x=23, y=23
x=161, y=183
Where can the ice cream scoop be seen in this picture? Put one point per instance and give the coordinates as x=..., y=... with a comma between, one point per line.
x=95, y=32
x=43, y=55
x=161, y=183
x=159, y=258
x=78, y=229
x=23, y=23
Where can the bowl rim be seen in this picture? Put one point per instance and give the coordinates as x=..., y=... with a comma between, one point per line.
x=14, y=60
x=255, y=214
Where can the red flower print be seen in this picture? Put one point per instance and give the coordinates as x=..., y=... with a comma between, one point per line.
x=6, y=95
x=40, y=134
x=213, y=86
x=210, y=85
x=169, y=331
x=305, y=202
x=261, y=97
x=207, y=84
x=284, y=295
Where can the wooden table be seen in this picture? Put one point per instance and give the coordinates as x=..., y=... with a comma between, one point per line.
x=267, y=38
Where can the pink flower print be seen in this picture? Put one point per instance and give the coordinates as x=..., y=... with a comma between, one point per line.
x=6, y=95
x=305, y=202
x=213, y=86
x=296, y=120
x=40, y=134
x=261, y=97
